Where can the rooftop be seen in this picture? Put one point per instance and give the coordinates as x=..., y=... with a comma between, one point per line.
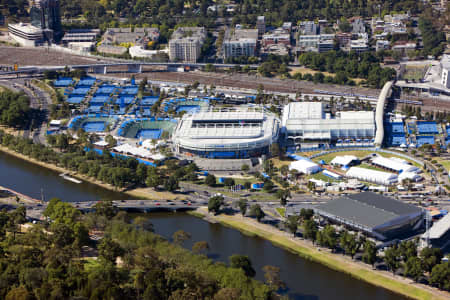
x=368, y=209
x=241, y=35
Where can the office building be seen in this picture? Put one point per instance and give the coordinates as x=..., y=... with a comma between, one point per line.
x=186, y=43
x=239, y=42
x=261, y=25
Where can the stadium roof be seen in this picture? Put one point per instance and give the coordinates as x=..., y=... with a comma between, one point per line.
x=439, y=228
x=367, y=209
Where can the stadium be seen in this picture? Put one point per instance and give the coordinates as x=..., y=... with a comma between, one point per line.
x=240, y=133
x=379, y=216
x=146, y=128
x=93, y=123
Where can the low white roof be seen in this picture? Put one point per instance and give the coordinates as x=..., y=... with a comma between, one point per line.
x=304, y=166
x=409, y=175
x=101, y=143
x=138, y=151
x=55, y=122
x=343, y=160
x=394, y=164
x=439, y=228
x=372, y=175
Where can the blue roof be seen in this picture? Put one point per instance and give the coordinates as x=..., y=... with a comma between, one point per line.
x=100, y=99
x=75, y=100
x=80, y=91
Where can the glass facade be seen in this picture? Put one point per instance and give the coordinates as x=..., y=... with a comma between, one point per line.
x=45, y=14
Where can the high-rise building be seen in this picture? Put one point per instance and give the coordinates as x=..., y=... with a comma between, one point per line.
x=45, y=14
x=186, y=44
x=261, y=25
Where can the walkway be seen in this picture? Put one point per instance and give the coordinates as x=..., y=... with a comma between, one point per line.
x=385, y=92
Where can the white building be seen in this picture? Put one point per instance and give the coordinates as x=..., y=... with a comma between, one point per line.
x=444, y=66
x=343, y=160
x=374, y=176
x=26, y=34
x=186, y=44
x=394, y=165
x=316, y=43
x=305, y=122
x=239, y=133
x=304, y=166
x=239, y=42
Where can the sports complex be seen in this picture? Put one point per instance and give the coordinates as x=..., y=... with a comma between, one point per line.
x=239, y=133
x=93, y=123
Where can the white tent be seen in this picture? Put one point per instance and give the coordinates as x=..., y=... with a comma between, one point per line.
x=372, y=176
x=409, y=175
x=304, y=166
x=394, y=164
x=343, y=160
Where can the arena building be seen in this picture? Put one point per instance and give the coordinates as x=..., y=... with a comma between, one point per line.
x=381, y=217
x=240, y=133
x=306, y=126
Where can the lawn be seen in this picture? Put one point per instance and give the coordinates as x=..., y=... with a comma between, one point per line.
x=304, y=71
x=414, y=72
x=281, y=211
x=444, y=162
x=321, y=176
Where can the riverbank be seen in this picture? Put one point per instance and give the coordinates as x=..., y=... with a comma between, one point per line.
x=305, y=249
x=134, y=194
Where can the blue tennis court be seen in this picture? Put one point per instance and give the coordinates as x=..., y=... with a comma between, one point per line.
x=396, y=139
x=63, y=82
x=80, y=91
x=107, y=90
x=130, y=90
x=75, y=100
x=100, y=99
x=427, y=128
x=422, y=140
x=188, y=108
x=95, y=108
x=86, y=82
x=125, y=100
x=149, y=133
x=149, y=100
x=396, y=127
x=94, y=126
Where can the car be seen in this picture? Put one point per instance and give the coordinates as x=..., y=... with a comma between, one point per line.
x=157, y=204
x=189, y=203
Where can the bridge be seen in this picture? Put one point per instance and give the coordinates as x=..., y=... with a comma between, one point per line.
x=131, y=67
x=142, y=205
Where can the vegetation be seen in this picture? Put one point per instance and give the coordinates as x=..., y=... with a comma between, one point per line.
x=347, y=65
x=48, y=261
x=15, y=109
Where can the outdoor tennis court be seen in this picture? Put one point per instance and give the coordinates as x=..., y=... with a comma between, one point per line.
x=149, y=133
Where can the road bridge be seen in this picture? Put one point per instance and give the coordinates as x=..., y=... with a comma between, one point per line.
x=143, y=205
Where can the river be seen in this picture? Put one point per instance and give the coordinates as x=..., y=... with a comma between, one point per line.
x=305, y=279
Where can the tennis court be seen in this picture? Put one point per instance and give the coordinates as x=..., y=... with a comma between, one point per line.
x=188, y=108
x=94, y=126
x=422, y=140
x=427, y=128
x=75, y=100
x=149, y=133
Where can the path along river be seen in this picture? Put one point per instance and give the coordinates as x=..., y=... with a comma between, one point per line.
x=304, y=279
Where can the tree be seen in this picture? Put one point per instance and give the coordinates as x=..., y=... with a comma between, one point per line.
x=407, y=249
x=310, y=230
x=329, y=237
x=370, y=253
x=440, y=276
x=306, y=214
x=171, y=184
x=349, y=243
x=245, y=167
x=105, y=208
x=180, y=236
x=229, y=181
x=292, y=224
x=143, y=223
x=430, y=257
x=257, y=212
x=242, y=262
x=200, y=247
x=268, y=185
x=283, y=195
x=391, y=258
x=109, y=250
x=243, y=206
x=413, y=268
x=210, y=180
x=215, y=203
x=273, y=278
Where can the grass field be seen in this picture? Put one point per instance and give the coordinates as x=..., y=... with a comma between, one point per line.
x=281, y=211
x=444, y=162
x=303, y=71
x=414, y=72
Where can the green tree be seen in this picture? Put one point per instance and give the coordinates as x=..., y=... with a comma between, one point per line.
x=283, y=195
x=257, y=212
x=370, y=253
x=349, y=243
x=292, y=224
x=243, y=203
x=310, y=230
x=430, y=257
x=210, y=180
x=229, y=181
x=109, y=250
x=171, y=184
x=440, y=276
x=180, y=236
x=413, y=268
x=273, y=278
x=215, y=203
x=391, y=258
x=242, y=262
x=306, y=214
x=245, y=168
x=200, y=247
